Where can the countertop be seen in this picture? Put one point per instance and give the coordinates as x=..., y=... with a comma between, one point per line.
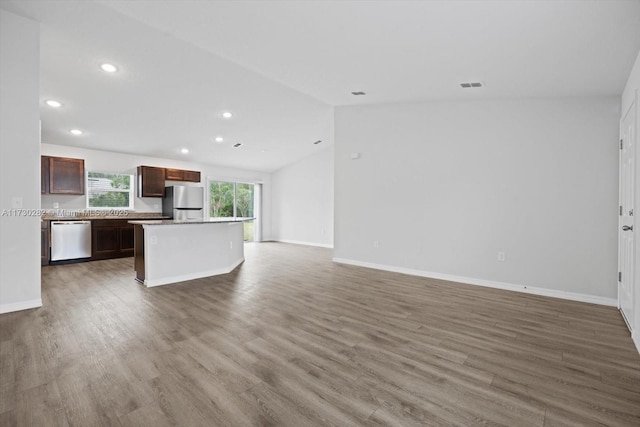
x=63, y=215
x=187, y=221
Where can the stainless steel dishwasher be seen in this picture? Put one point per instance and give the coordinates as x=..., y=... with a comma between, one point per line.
x=70, y=240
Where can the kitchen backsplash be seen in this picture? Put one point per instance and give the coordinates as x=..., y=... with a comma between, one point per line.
x=59, y=214
x=67, y=202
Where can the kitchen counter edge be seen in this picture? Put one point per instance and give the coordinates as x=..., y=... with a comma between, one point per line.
x=186, y=222
x=89, y=218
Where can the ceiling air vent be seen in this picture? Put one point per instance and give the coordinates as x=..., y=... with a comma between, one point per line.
x=358, y=93
x=317, y=142
x=471, y=84
x=236, y=145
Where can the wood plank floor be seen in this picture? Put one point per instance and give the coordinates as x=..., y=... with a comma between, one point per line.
x=292, y=339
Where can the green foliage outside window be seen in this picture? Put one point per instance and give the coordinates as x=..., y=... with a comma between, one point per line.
x=109, y=190
x=223, y=196
x=110, y=200
x=221, y=199
x=244, y=200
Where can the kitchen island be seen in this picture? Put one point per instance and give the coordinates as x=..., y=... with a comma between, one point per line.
x=170, y=251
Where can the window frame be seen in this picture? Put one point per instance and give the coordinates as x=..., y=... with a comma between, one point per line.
x=257, y=200
x=131, y=191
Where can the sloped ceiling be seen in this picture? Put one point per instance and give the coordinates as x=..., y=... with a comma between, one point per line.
x=281, y=66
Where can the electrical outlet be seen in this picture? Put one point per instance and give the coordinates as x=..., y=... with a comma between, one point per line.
x=502, y=256
x=16, y=202
x=56, y=205
x=153, y=240
x=376, y=244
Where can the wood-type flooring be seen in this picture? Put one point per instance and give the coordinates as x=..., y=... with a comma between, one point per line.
x=292, y=339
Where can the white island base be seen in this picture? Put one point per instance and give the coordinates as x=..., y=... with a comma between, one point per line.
x=170, y=251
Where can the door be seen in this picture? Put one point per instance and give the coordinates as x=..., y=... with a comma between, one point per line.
x=66, y=176
x=187, y=214
x=237, y=200
x=174, y=174
x=245, y=208
x=150, y=181
x=626, y=221
x=126, y=239
x=188, y=197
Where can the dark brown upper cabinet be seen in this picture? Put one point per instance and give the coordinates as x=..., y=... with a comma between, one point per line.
x=181, y=175
x=192, y=176
x=174, y=174
x=62, y=175
x=150, y=181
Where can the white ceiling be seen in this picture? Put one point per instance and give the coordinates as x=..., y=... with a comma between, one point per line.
x=400, y=51
x=184, y=62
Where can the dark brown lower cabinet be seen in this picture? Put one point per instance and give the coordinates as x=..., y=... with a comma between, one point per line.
x=111, y=238
x=44, y=242
x=138, y=260
x=127, y=240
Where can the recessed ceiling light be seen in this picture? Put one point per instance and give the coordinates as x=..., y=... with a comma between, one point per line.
x=184, y=151
x=53, y=103
x=227, y=115
x=76, y=132
x=236, y=145
x=358, y=93
x=219, y=139
x=109, y=68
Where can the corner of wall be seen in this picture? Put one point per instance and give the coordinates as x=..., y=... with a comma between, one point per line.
x=19, y=163
x=302, y=201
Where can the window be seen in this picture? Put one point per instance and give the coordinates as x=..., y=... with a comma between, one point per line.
x=109, y=190
x=221, y=199
x=235, y=200
x=244, y=200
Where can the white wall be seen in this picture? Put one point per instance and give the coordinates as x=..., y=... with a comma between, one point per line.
x=104, y=161
x=632, y=92
x=19, y=162
x=303, y=201
x=442, y=187
x=633, y=84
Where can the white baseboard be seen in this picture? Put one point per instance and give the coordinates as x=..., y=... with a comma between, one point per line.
x=593, y=299
x=22, y=305
x=150, y=283
x=635, y=336
x=298, y=242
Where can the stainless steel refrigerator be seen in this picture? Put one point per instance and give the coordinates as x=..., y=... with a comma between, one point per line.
x=183, y=202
